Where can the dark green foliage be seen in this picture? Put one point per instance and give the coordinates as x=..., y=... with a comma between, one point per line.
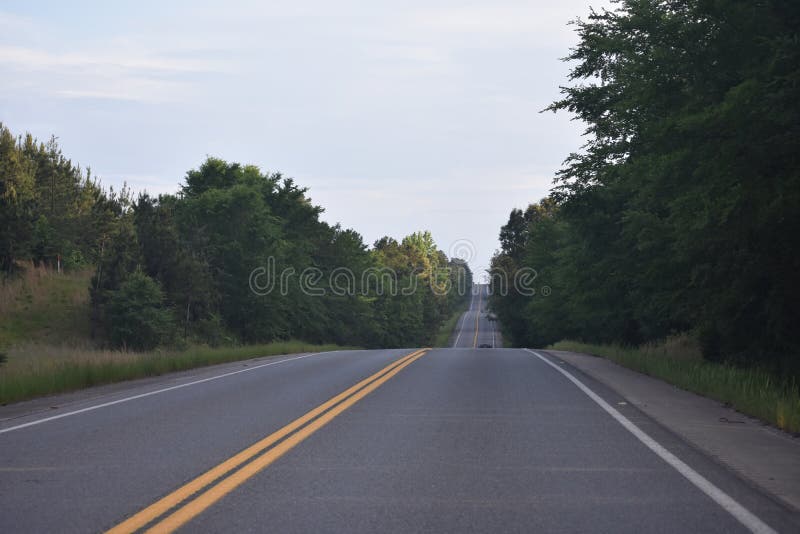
x=49, y=208
x=137, y=317
x=16, y=201
x=177, y=268
x=203, y=245
x=233, y=219
x=682, y=213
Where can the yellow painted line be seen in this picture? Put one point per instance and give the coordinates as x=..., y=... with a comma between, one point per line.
x=157, y=509
x=477, y=318
x=196, y=506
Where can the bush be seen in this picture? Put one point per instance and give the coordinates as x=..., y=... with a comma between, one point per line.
x=74, y=261
x=211, y=331
x=138, y=319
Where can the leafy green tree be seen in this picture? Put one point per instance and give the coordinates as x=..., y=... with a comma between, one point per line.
x=137, y=317
x=184, y=275
x=183, y=262
x=235, y=231
x=681, y=211
x=16, y=198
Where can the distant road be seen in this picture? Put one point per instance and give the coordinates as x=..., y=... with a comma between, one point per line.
x=404, y=440
x=474, y=328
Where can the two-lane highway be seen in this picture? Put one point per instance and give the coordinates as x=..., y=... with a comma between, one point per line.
x=474, y=329
x=406, y=440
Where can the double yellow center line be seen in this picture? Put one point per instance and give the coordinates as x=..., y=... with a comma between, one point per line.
x=477, y=319
x=190, y=500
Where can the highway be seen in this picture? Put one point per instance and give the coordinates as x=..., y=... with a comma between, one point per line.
x=461, y=439
x=474, y=329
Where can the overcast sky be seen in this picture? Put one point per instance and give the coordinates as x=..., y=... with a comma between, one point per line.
x=397, y=116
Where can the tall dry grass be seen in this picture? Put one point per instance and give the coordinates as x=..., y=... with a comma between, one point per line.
x=38, y=303
x=34, y=370
x=26, y=286
x=45, y=346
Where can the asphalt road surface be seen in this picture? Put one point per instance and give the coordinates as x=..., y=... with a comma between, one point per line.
x=474, y=329
x=462, y=439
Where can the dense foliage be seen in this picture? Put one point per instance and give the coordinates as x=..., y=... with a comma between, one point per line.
x=237, y=256
x=682, y=211
x=137, y=312
x=49, y=208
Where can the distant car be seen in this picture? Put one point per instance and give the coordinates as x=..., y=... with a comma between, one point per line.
x=484, y=346
x=492, y=317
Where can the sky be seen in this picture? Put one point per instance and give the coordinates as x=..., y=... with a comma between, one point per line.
x=398, y=116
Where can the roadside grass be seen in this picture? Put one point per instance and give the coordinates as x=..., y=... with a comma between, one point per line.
x=442, y=338
x=36, y=370
x=678, y=361
x=44, y=305
x=53, y=309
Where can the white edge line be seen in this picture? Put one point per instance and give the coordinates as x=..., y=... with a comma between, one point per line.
x=477, y=318
x=461, y=329
x=742, y=514
x=463, y=318
x=156, y=392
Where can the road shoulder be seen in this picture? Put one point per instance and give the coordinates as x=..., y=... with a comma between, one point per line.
x=766, y=456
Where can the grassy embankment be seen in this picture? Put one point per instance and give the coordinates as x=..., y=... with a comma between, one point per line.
x=678, y=361
x=45, y=346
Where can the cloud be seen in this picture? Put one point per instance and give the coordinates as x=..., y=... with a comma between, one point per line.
x=32, y=59
x=498, y=25
x=109, y=74
x=492, y=19
x=16, y=24
x=409, y=52
x=124, y=90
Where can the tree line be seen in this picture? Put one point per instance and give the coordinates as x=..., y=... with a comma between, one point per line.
x=178, y=268
x=50, y=209
x=681, y=213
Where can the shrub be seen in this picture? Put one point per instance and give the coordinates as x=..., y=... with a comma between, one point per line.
x=138, y=319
